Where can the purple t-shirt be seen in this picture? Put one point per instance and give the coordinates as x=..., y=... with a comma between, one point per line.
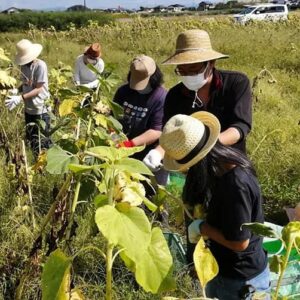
x=141, y=112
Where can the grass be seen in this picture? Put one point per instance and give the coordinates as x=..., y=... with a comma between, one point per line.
x=273, y=144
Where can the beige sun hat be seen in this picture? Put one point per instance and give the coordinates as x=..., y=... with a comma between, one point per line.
x=188, y=139
x=27, y=52
x=193, y=46
x=141, y=69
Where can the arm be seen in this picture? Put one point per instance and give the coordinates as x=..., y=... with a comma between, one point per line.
x=230, y=136
x=216, y=235
x=76, y=72
x=148, y=137
x=240, y=111
x=34, y=92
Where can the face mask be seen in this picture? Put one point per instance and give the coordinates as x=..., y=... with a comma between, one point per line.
x=195, y=82
x=91, y=61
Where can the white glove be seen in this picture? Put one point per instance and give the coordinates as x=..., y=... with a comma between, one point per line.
x=13, y=92
x=91, y=85
x=13, y=101
x=194, y=233
x=153, y=160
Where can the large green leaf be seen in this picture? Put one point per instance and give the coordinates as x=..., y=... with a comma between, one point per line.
x=205, y=263
x=127, y=229
x=58, y=160
x=291, y=233
x=55, y=276
x=261, y=230
x=66, y=107
x=112, y=154
x=152, y=265
x=3, y=56
x=133, y=166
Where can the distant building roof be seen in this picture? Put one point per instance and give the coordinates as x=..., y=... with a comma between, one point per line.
x=176, y=5
x=10, y=10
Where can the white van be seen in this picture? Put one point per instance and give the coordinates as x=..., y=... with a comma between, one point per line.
x=260, y=12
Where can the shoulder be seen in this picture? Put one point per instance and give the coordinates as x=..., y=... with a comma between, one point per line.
x=240, y=178
x=233, y=76
x=159, y=93
x=41, y=65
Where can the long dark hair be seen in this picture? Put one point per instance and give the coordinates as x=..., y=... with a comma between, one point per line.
x=156, y=79
x=202, y=176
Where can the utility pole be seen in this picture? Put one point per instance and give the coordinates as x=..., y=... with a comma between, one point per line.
x=84, y=3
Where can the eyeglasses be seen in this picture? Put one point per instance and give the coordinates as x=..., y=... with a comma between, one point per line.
x=190, y=70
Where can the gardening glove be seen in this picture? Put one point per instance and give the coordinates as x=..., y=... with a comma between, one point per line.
x=13, y=101
x=194, y=233
x=91, y=85
x=153, y=160
x=126, y=144
x=13, y=92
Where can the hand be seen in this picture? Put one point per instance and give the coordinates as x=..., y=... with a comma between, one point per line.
x=194, y=233
x=153, y=160
x=13, y=101
x=126, y=144
x=13, y=92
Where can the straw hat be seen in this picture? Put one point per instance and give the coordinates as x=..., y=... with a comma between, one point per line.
x=193, y=46
x=93, y=51
x=141, y=69
x=27, y=52
x=187, y=139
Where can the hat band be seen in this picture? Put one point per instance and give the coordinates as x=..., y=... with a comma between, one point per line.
x=191, y=49
x=196, y=149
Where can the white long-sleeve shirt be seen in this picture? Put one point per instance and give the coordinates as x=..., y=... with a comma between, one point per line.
x=83, y=75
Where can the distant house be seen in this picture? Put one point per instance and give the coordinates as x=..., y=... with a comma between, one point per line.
x=175, y=7
x=205, y=6
x=146, y=9
x=77, y=8
x=160, y=8
x=11, y=10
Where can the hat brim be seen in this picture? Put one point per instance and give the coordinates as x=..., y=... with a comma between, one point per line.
x=214, y=126
x=138, y=84
x=35, y=51
x=193, y=56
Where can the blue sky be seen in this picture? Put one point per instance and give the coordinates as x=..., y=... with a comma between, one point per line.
x=44, y=4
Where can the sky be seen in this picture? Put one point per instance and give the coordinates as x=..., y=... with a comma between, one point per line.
x=46, y=4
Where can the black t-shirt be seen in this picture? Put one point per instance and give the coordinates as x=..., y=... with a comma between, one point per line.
x=141, y=112
x=236, y=199
x=230, y=101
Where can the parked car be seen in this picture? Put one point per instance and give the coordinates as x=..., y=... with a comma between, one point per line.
x=261, y=12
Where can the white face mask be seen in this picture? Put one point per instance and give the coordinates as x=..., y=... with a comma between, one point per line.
x=91, y=61
x=195, y=82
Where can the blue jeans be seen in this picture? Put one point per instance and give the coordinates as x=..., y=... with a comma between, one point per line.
x=230, y=289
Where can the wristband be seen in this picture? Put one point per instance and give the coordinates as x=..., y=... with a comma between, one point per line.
x=22, y=95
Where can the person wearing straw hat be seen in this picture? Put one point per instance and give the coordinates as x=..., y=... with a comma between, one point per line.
x=83, y=75
x=142, y=99
x=226, y=94
x=34, y=93
x=220, y=178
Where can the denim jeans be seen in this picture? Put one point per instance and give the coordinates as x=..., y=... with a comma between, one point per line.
x=230, y=289
x=33, y=129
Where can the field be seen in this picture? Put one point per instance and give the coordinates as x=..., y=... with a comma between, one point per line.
x=268, y=53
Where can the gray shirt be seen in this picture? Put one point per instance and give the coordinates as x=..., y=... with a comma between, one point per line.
x=31, y=75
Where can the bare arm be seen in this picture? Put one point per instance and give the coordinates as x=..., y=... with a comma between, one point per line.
x=34, y=92
x=230, y=136
x=148, y=137
x=216, y=235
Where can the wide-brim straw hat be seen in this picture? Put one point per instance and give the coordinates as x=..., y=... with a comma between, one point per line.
x=27, y=52
x=193, y=46
x=188, y=139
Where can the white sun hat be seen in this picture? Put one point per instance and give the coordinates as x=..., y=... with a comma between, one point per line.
x=188, y=139
x=27, y=52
